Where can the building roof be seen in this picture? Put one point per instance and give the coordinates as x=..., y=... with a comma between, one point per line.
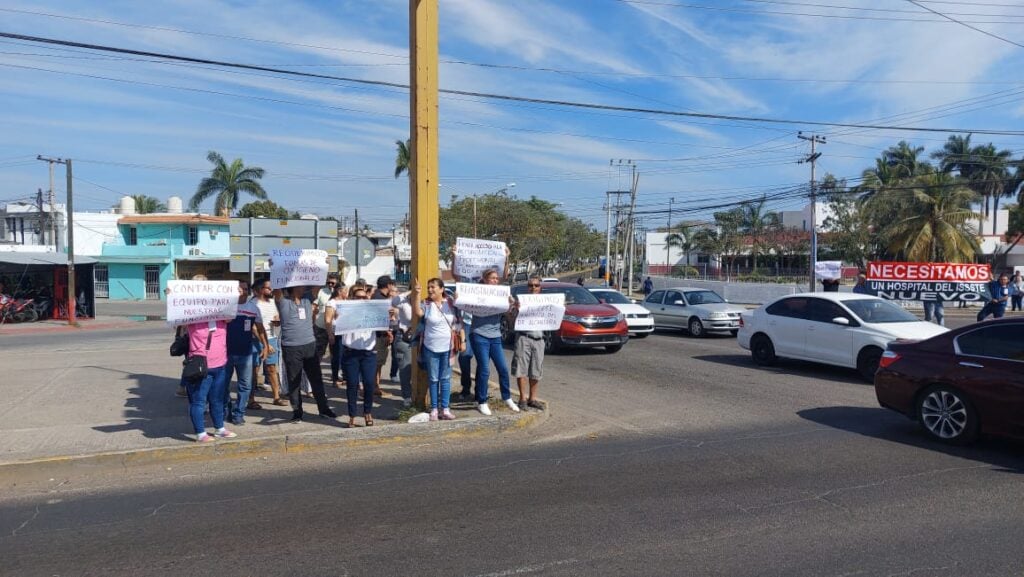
x=42, y=258
x=174, y=219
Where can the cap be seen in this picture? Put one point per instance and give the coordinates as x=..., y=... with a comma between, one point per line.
x=384, y=281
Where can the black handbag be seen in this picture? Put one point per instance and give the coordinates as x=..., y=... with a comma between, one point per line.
x=194, y=368
x=179, y=347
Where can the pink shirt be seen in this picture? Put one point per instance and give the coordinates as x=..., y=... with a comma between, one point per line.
x=218, y=355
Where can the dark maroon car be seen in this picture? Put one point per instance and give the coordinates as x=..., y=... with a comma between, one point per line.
x=959, y=384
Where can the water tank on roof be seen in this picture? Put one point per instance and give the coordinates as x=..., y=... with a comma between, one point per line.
x=174, y=205
x=127, y=205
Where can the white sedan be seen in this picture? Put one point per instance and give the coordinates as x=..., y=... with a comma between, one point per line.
x=842, y=329
x=638, y=319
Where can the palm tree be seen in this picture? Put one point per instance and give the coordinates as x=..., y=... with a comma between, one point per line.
x=756, y=223
x=989, y=177
x=147, y=204
x=403, y=158
x=681, y=239
x=934, y=226
x=903, y=159
x=956, y=155
x=226, y=182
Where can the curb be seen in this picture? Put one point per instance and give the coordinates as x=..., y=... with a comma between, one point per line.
x=20, y=471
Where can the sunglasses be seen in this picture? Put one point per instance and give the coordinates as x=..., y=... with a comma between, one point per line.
x=531, y=285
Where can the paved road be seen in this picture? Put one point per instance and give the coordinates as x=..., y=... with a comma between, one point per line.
x=676, y=456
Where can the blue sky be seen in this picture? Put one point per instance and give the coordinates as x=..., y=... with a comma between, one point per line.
x=138, y=126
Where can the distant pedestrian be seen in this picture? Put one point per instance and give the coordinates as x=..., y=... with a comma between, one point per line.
x=935, y=312
x=999, y=296
x=298, y=346
x=861, y=287
x=243, y=334
x=359, y=359
x=528, y=358
x=579, y=281
x=1017, y=291
x=334, y=344
x=648, y=286
x=440, y=329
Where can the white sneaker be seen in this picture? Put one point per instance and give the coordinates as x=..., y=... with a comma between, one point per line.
x=512, y=405
x=406, y=403
x=484, y=409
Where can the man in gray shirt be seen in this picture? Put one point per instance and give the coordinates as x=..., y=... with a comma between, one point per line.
x=298, y=349
x=528, y=358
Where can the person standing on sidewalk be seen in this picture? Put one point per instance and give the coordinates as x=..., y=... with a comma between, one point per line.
x=385, y=291
x=999, y=291
x=441, y=328
x=1017, y=292
x=263, y=297
x=528, y=358
x=319, y=314
x=298, y=347
x=245, y=335
x=334, y=344
x=935, y=311
x=359, y=359
x=487, y=347
x=466, y=362
x=401, y=348
x=208, y=339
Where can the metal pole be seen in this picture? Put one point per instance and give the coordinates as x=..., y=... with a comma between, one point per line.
x=608, y=240
x=814, y=139
x=71, y=248
x=631, y=239
x=668, y=231
x=53, y=216
x=474, y=216
x=358, y=268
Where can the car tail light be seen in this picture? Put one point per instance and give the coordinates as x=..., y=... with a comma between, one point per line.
x=888, y=358
x=741, y=321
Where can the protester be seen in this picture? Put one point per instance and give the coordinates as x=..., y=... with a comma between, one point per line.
x=466, y=362
x=242, y=335
x=861, y=287
x=385, y=291
x=359, y=359
x=319, y=313
x=298, y=347
x=648, y=287
x=934, y=311
x=486, y=337
x=830, y=285
x=401, y=348
x=528, y=357
x=579, y=281
x=263, y=296
x=337, y=296
x=1017, y=293
x=999, y=291
x=441, y=327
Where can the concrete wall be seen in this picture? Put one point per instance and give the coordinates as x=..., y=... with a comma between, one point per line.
x=734, y=292
x=128, y=280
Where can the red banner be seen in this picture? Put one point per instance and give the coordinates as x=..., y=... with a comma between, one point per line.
x=929, y=272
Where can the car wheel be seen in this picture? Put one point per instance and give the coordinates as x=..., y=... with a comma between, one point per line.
x=551, y=344
x=613, y=348
x=762, y=350
x=867, y=363
x=506, y=332
x=734, y=332
x=696, y=327
x=947, y=415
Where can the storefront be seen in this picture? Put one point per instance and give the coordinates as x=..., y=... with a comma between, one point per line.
x=43, y=277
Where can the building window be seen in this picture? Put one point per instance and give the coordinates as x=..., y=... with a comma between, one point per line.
x=133, y=236
x=192, y=236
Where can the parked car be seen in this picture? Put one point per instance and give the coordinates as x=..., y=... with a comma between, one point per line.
x=842, y=329
x=696, y=310
x=638, y=319
x=550, y=279
x=959, y=384
x=587, y=322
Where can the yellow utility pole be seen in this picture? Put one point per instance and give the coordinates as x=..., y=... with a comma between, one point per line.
x=423, y=166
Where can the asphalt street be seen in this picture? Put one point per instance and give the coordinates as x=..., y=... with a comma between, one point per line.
x=676, y=456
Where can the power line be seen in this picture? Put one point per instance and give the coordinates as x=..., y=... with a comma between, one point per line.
x=964, y=23
x=493, y=96
x=791, y=13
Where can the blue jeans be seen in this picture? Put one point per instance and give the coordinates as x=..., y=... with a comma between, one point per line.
x=934, y=311
x=465, y=367
x=486, y=350
x=241, y=364
x=439, y=373
x=211, y=389
x=359, y=364
x=336, y=358
x=401, y=359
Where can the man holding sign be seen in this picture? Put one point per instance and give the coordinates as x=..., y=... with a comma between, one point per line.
x=528, y=359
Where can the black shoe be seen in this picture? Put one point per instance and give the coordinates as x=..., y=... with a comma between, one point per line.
x=328, y=414
x=296, y=417
x=238, y=421
x=535, y=405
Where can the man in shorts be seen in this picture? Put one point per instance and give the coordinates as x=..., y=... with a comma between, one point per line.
x=528, y=358
x=263, y=296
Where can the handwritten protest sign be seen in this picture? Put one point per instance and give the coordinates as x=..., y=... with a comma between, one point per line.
x=297, y=267
x=540, y=312
x=359, y=315
x=482, y=299
x=476, y=255
x=198, y=301
x=828, y=269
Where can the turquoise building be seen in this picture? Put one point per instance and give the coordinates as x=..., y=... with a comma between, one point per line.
x=151, y=249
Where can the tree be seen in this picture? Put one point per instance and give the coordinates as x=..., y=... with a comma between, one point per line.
x=148, y=204
x=757, y=223
x=226, y=183
x=934, y=224
x=403, y=157
x=904, y=162
x=847, y=233
x=682, y=239
x=264, y=209
x=989, y=177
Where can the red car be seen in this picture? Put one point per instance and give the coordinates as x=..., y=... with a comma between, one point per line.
x=587, y=323
x=959, y=384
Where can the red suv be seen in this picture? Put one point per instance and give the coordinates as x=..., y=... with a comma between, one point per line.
x=587, y=323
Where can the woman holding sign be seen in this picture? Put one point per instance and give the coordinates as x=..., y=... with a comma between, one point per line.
x=359, y=359
x=330, y=311
x=441, y=340
x=486, y=338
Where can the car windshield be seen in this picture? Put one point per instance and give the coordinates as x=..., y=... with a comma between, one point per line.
x=879, y=311
x=613, y=297
x=575, y=295
x=703, y=297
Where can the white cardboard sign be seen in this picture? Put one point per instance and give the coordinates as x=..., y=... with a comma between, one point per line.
x=828, y=269
x=474, y=256
x=198, y=301
x=540, y=312
x=361, y=315
x=482, y=299
x=298, y=267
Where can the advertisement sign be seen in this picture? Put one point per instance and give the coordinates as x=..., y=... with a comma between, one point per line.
x=361, y=315
x=197, y=301
x=291, y=267
x=474, y=256
x=540, y=312
x=928, y=281
x=482, y=299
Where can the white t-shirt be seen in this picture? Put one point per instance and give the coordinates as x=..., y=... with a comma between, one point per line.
x=404, y=306
x=333, y=303
x=322, y=298
x=361, y=340
x=439, y=319
x=268, y=312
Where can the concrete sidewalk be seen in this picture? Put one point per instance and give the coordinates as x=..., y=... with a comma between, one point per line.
x=91, y=401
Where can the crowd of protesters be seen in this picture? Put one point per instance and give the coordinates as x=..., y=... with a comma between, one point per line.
x=284, y=334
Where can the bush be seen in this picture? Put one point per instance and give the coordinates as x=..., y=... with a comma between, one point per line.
x=688, y=271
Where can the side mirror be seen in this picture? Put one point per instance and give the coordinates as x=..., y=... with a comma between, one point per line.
x=843, y=321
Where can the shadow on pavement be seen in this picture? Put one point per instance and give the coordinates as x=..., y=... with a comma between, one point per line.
x=151, y=407
x=790, y=367
x=886, y=425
